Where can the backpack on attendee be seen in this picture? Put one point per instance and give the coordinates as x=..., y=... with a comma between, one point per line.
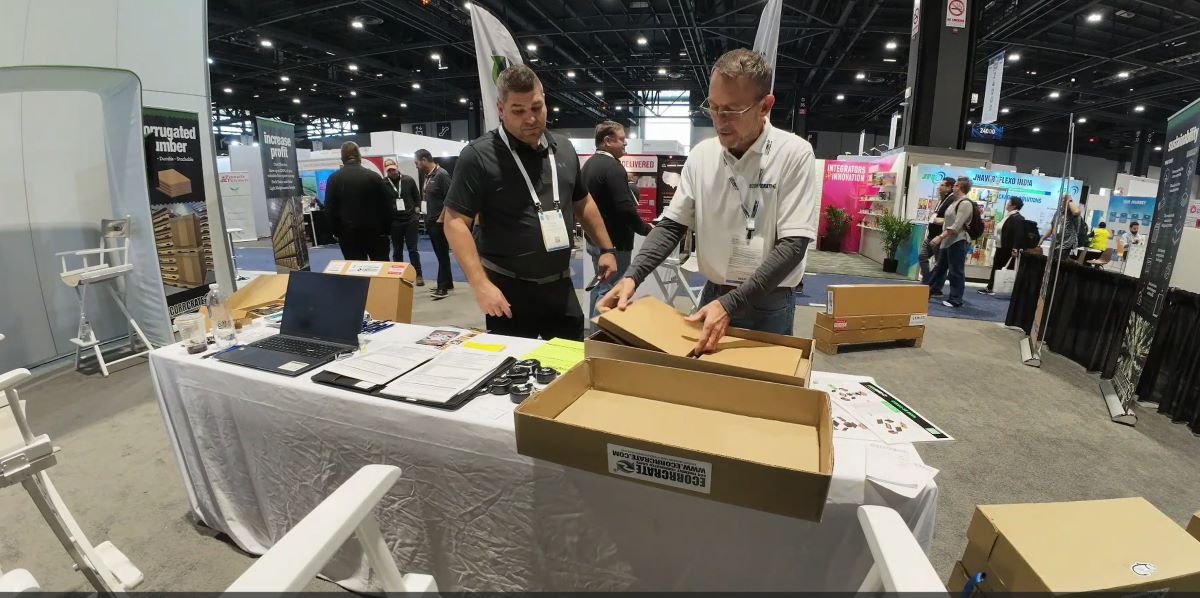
x=1084, y=233
x=975, y=226
x=1030, y=237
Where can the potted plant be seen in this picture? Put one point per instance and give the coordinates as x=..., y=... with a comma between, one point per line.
x=837, y=221
x=895, y=230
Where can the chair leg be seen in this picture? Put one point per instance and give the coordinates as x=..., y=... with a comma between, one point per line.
x=100, y=360
x=129, y=317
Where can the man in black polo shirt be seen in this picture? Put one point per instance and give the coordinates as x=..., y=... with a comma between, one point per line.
x=437, y=184
x=608, y=182
x=360, y=204
x=521, y=273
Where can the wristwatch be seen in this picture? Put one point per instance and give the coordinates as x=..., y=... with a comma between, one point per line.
x=612, y=250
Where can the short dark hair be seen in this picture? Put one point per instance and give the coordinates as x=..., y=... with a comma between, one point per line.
x=518, y=78
x=606, y=128
x=350, y=152
x=741, y=62
x=1135, y=223
x=1102, y=225
x=948, y=181
x=964, y=184
x=1017, y=202
x=423, y=154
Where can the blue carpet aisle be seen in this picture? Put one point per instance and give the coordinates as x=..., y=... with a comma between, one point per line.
x=977, y=307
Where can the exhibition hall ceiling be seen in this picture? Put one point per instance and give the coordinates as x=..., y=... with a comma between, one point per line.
x=1122, y=65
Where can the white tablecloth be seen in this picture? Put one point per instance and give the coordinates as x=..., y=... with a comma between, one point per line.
x=259, y=451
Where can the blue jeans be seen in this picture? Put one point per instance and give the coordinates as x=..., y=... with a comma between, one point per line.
x=952, y=265
x=623, y=260
x=775, y=313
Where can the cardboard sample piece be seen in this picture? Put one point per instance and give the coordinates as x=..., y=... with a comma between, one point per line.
x=1193, y=527
x=1123, y=545
x=390, y=296
x=266, y=291
x=748, y=443
x=652, y=325
x=173, y=183
x=872, y=313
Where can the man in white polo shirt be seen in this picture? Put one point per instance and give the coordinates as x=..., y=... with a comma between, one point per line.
x=750, y=195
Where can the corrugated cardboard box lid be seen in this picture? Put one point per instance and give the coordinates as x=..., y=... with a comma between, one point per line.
x=1085, y=546
x=1193, y=527
x=263, y=290
x=651, y=324
x=399, y=270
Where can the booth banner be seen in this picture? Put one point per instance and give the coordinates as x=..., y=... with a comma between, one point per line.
x=993, y=188
x=236, y=203
x=277, y=143
x=178, y=212
x=670, y=173
x=643, y=183
x=1124, y=210
x=1170, y=218
x=843, y=185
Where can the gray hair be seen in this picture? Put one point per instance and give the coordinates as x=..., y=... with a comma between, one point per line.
x=517, y=78
x=741, y=62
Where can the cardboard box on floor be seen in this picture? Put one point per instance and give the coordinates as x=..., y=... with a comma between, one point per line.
x=264, y=291
x=1193, y=527
x=390, y=296
x=653, y=326
x=850, y=300
x=871, y=313
x=748, y=443
x=1122, y=545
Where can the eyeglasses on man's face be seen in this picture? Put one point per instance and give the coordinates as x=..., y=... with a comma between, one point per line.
x=723, y=113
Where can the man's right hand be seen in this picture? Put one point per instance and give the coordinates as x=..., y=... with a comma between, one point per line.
x=618, y=297
x=491, y=301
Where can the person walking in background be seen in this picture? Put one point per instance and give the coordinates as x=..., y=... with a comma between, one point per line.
x=1008, y=235
x=953, y=243
x=608, y=182
x=437, y=185
x=404, y=223
x=943, y=192
x=1128, y=238
x=1069, y=240
x=360, y=205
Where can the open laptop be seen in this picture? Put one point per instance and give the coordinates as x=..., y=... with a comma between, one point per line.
x=322, y=317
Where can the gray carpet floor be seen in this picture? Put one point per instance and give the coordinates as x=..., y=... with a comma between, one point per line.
x=849, y=264
x=1023, y=435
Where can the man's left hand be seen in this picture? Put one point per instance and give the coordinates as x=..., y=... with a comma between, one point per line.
x=607, y=266
x=715, y=321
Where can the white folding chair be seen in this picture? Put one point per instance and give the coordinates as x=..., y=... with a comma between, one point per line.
x=900, y=563
x=24, y=459
x=112, y=264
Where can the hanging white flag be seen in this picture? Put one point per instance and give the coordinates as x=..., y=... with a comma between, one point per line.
x=766, y=42
x=495, y=50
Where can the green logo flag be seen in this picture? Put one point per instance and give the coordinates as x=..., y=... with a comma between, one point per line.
x=495, y=50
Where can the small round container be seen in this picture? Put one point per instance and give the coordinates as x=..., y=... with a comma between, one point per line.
x=545, y=375
x=532, y=364
x=499, y=386
x=519, y=392
x=192, y=333
x=519, y=372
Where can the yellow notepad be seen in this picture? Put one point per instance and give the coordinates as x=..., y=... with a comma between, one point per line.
x=557, y=353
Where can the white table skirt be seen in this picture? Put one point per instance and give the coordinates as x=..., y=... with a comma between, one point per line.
x=259, y=451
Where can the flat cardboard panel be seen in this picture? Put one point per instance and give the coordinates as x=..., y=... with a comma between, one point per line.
x=876, y=299
x=1193, y=527
x=776, y=443
x=840, y=324
x=1100, y=545
x=649, y=323
x=603, y=345
x=542, y=433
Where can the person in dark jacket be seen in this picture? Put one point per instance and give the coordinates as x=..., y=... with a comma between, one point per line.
x=433, y=191
x=404, y=223
x=360, y=204
x=608, y=182
x=944, y=192
x=1008, y=234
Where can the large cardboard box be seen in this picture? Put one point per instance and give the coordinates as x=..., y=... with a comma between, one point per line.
x=1193, y=527
x=390, y=296
x=748, y=443
x=1123, y=545
x=958, y=579
x=650, y=324
x=843, y=301
x=828, y=341
x=604, y=345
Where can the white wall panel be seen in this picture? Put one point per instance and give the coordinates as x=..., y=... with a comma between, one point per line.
x=69, y=32
x=12, y=32
x=159, y=41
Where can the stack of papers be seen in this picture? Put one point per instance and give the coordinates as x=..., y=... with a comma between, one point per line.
x=557, y=353
x=896, y=469
x=442, y=378
x=380, y=365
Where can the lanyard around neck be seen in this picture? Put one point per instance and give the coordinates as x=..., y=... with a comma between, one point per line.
x=744, y=195
x=529, y=182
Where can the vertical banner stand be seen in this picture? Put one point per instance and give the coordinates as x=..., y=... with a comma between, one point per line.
x=1031, y=346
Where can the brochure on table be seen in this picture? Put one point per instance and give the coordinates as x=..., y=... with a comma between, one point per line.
x=991, y=190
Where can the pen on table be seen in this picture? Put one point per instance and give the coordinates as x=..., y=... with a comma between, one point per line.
x=215, y=353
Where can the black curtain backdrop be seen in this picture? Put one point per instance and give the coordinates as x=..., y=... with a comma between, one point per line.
x=1172, y=374
x=1091, y=309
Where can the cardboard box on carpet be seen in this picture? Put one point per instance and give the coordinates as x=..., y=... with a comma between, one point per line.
x=828, y=340
x=1193, y=527
x=390, y=296
x=748, y=443
x=958, y=579
x=1121, y=545
x=842, y=301
x=652, y=325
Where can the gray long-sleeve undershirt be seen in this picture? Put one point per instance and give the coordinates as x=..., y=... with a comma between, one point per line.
x=784, y=257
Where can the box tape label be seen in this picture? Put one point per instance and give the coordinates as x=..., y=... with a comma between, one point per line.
x=660, y=469
x=917, y=319
x=829, y=301
x=837, y=324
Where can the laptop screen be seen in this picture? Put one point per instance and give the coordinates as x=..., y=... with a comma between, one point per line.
x=327, y=307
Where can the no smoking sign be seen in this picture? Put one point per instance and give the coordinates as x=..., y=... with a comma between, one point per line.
x=956, y=13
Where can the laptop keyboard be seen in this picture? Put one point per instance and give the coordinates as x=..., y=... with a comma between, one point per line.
x=297, y=347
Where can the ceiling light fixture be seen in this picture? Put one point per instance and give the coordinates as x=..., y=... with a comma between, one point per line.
x=266, y=43
x=350, y=110
x=462, y=100
x=1014, y=57
x=599, y=93
x=1095, y=17
x=356, y=24
x=557, y=109
x=1036, y=129
x=416, y=86
x=891, y=45
x=620, y=108
x=256, y=95
x=1139, y=108
x=353, y=93
x=1082, y=120
x=1004, y=110
x=1158, y=148
x=860, y=76
x=889, y=60
x=1123, y=75
x=435, y=56
x=295, y=100
x=352, y=66
x=404, y=104
x=641, y=41
x=840, y=97
x=970, y=123
x=304, y=115
x=532, y=47
x=230, y=90
x=662, y=70
x=1054, y=95
x=570, y=74
x=384, y=115
x=210, y=60
x=285, y=78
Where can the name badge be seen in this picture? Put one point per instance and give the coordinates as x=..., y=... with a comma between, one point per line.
x=554, y=230
x=744, y=258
